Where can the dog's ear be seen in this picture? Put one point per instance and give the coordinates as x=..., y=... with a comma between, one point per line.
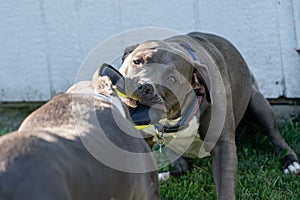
x=104, y=86
x=115, y=76
x=127, y=51
x=103, y=70
x=202, y=77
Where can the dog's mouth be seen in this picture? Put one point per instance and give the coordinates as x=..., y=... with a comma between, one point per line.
x=134, y=93
x=143, y=111
x=129, y=102
x=132, y=103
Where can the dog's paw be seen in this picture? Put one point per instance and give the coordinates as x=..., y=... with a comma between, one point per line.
x=290, y=163
x=164, y=176
x=293, y=168
x=180, y=167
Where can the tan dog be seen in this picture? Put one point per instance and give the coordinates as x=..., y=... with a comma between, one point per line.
x=48, y=157
x=175, y=72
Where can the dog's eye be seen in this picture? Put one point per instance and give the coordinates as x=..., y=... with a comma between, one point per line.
x=172, y=79
x=138, y=61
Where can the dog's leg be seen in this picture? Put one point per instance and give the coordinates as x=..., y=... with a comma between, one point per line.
x=261, y=112
x=224, y=164
x=180, y=166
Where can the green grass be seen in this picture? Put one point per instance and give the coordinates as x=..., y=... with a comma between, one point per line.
x=4, y=130
x=260, y=174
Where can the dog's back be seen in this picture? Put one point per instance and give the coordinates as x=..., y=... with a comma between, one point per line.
x=50, y=157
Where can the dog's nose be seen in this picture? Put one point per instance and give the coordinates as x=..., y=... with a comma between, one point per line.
x=146, y=90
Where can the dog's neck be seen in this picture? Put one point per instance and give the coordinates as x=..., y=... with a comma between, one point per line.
x=182, y=122
x=107, y=94
x=113, y=100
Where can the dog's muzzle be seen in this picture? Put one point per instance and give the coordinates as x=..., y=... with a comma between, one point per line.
x=142, y=115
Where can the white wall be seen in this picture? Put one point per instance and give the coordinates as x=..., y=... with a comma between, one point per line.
x=42, y=43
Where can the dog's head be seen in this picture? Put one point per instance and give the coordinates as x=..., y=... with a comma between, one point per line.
x=163, y=75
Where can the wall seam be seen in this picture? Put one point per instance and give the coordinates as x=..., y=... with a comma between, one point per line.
x=43, y=16
x=283, y=82
x=197, y=15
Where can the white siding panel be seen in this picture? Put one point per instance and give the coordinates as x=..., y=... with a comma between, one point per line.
x=43, y=43
x=74, y=28
x=23, y=63
x=252, y=27
x=290, y=57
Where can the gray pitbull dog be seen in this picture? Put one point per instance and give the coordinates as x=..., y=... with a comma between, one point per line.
x=170, y=73
x=47, y=157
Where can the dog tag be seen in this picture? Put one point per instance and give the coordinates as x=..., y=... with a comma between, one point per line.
x=160, y=148
x=161, y=143
x=160, y=140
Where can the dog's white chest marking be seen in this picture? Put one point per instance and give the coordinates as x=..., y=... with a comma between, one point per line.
x=185, y=142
